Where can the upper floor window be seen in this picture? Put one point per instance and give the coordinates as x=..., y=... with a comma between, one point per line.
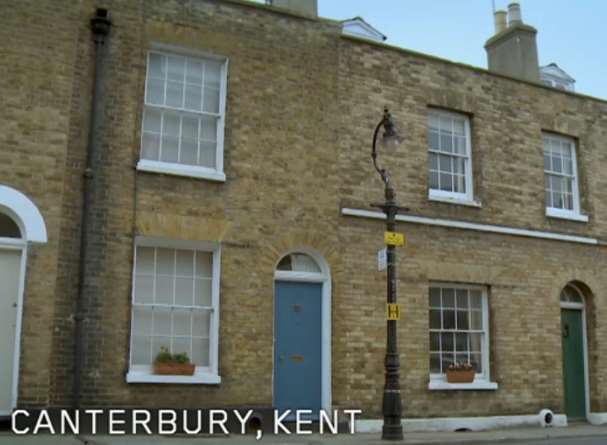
x=449, y=156
x=183, y=120
x=561, y=178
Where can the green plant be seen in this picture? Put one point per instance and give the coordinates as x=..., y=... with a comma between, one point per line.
x=165, y=356
x=181, y=357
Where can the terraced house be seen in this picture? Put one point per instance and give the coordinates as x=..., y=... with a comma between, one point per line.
x=196, y=175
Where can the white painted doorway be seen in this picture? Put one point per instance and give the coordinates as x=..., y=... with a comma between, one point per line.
x=21, y=225
x=10, y=272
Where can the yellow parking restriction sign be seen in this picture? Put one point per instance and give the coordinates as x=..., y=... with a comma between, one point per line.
x=394, y=239
x=393, y=311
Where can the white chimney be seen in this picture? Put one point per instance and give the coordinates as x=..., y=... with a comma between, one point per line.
x=514, y=14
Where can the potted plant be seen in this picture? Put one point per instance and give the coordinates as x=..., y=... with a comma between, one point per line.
x=460, y=373
x=166, y=363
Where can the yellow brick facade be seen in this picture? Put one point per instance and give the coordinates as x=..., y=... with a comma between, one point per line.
x=302, y=103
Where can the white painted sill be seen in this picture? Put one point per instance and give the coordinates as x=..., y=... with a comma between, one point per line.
x=434, y=196
x=170, y=168
x=565, y=214
x=442, y=385
x=199, y=378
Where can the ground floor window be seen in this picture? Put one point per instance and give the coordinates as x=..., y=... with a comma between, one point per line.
x=459, y=331
x=175, y=304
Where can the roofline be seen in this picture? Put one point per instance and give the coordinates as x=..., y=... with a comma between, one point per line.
x=280, y=11
x=476, y=69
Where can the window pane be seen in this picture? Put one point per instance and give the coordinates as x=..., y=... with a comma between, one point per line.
x=462, y=298
x=557, y=164
x=204, y=264
x=434, y=341
x=435, y=363
x=193, y=97
x=176, y=68
x=151, y=146
x=476, y=342
x=141, y=350
x=194, y=72
x=448, y=298
x=144, y=289
x=435, y=297
x=182, y=323
x=185, y=263
x=460, y=183
x=434, y=180
x=159, y=342
x=156, y=66
x=476, y=361
x=202, y=292
x=447, y=360
x=181, y=345
x=462, y=320
x=461, y=342
x=476, y=320
x=162, y=321
x=208, y=154
x=152, y=120
x=446, y=142
x=212, y=74
x=165, y=261
x=435, y=319
x=184, y=291
x=446, y=182
x=460, y=145
x=142, y=321
x=447, y=343
x=208, y=125
x=174, y=94
x=445, y=163
x=433, y=121
x=210, y=101
x=155, y=92
x=461, y=358
x=200, y=352
x=475, y=299
x=433, y=161
x=201, y=323
x=164, y=289
x=145, y=260
x=547, y=162
x=433, y=140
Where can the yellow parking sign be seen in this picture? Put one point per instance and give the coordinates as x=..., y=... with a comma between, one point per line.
x=394, y=239
x=393, y=311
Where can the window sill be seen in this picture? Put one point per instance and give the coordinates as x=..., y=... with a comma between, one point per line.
x=565, y=214
x=442, y=385
x=198, y=378
x=191, y=171
x=450, y=199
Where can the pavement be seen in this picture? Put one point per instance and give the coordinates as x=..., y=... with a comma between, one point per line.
x=579, y=434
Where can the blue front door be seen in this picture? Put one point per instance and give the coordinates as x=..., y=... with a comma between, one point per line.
x=297, y=346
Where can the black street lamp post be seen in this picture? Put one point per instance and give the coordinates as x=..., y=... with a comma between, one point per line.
x=392, y=405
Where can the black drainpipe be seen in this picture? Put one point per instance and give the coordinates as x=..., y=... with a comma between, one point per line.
x=100, y=25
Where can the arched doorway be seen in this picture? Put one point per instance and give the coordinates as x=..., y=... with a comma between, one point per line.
x=20, y=224
x=302, y=333
x=574, y=346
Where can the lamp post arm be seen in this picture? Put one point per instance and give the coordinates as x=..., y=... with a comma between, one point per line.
x=382, y=171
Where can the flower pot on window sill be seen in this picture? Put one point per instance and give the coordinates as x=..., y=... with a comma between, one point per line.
x=174, y=368
x=460, y=375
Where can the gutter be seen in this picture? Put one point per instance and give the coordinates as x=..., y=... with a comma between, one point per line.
x=100, y=26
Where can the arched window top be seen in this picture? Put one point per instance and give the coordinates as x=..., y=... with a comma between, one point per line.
x=570, y=294
x=298, y=262
x=8, y=227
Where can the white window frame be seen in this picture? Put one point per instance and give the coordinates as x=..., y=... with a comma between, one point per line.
x=202, y=374
x=173, y=168
x=481, y=380
x=455, y=197
x=553, y=212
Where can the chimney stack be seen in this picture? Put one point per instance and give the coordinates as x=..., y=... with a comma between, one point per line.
x=305, y=7
x=512, y=51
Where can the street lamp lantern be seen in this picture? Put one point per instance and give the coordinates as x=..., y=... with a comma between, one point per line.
x=392, y=405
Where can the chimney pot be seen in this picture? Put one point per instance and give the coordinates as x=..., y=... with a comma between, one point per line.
x=500, y=21
x=514, y=14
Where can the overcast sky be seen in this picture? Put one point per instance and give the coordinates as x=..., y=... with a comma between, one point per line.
x=572, y=33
